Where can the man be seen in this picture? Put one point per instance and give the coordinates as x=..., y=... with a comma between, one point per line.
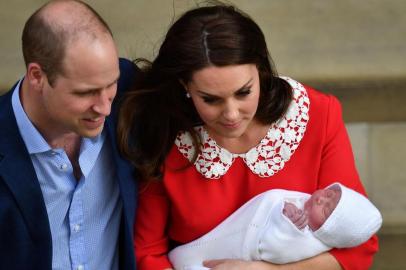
x=67, y=199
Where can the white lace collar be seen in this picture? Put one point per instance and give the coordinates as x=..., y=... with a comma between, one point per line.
x=266, y=158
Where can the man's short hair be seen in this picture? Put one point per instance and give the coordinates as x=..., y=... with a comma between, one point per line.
x=44, y=40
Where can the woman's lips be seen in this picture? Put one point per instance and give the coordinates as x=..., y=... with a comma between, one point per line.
x=231, y=125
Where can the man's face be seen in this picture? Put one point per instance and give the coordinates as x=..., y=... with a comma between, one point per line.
x=81, y=97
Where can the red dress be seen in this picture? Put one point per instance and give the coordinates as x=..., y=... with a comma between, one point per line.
x=306, y=150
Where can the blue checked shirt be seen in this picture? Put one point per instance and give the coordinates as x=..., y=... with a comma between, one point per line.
x=84, y=215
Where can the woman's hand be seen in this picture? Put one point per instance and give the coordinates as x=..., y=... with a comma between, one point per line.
x=231, y=264
x=324, y=261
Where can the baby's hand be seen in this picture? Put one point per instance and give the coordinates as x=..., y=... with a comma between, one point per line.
x=296, y=215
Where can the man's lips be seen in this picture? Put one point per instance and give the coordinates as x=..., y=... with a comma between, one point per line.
x=94, y=122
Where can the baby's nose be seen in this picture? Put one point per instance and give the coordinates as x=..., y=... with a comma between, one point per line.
x=320, y=200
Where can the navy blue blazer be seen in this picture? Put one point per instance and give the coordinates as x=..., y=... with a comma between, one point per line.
x=25, y=236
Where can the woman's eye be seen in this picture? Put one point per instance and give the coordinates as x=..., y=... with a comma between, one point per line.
x=243, y=93
x=209, y=100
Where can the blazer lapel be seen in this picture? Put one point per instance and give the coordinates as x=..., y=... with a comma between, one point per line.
x=125, y=176
x=17, y=171
x=125, y=171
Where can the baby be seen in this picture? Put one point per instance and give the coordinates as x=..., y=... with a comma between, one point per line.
x=273, y=227
x=317, y=208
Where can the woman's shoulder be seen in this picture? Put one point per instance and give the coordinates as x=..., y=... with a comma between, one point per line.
x=320, y=104
x=324, y=112
x=321, y=101
x=180, y=155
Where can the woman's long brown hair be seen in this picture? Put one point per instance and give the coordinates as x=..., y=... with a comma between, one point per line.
x=157, y=109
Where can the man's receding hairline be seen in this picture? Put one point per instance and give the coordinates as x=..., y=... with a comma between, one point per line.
x=72, y=21
x=73, y=18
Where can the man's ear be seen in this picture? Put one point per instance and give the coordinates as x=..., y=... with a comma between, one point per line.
x=35, y=76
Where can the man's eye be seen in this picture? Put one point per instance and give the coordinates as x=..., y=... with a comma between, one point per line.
x=88, y=93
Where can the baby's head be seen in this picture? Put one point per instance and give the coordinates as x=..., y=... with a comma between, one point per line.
x=348, y=218
x=321, y=204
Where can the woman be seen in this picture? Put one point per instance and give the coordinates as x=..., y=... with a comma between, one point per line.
x=210, y=125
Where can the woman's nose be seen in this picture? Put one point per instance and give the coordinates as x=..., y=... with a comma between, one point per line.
x=231, y=111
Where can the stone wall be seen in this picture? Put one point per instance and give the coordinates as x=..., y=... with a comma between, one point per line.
x=380, y=153
x=353, y=49
x=313, y=39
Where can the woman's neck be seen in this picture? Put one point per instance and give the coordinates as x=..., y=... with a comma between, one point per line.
x=253, y=135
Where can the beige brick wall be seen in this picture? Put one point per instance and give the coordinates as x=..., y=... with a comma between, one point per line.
x=310, y=40
x=380, y=153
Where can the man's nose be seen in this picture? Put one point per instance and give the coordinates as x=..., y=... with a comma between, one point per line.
x=103, y=103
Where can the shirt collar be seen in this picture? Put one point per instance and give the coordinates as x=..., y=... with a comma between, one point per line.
x=89, y=152
x=33, y=140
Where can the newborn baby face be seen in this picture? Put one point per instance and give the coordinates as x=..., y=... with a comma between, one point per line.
x=320, y=206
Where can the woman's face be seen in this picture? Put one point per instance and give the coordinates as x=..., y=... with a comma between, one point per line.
x=320, y=206
x=226, y=98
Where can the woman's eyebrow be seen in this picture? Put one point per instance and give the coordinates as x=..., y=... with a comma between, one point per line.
x=240, y=89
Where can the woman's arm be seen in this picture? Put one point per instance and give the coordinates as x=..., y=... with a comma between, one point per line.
x=337, y=164
x=324, y=261
x=150, y=239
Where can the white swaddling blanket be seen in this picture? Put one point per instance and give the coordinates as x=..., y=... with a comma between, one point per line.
x=258, y=230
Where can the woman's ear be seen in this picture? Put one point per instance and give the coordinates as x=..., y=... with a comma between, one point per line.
x=185, y=86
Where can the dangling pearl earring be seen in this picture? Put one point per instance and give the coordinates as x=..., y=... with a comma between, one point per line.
x=187, y=95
